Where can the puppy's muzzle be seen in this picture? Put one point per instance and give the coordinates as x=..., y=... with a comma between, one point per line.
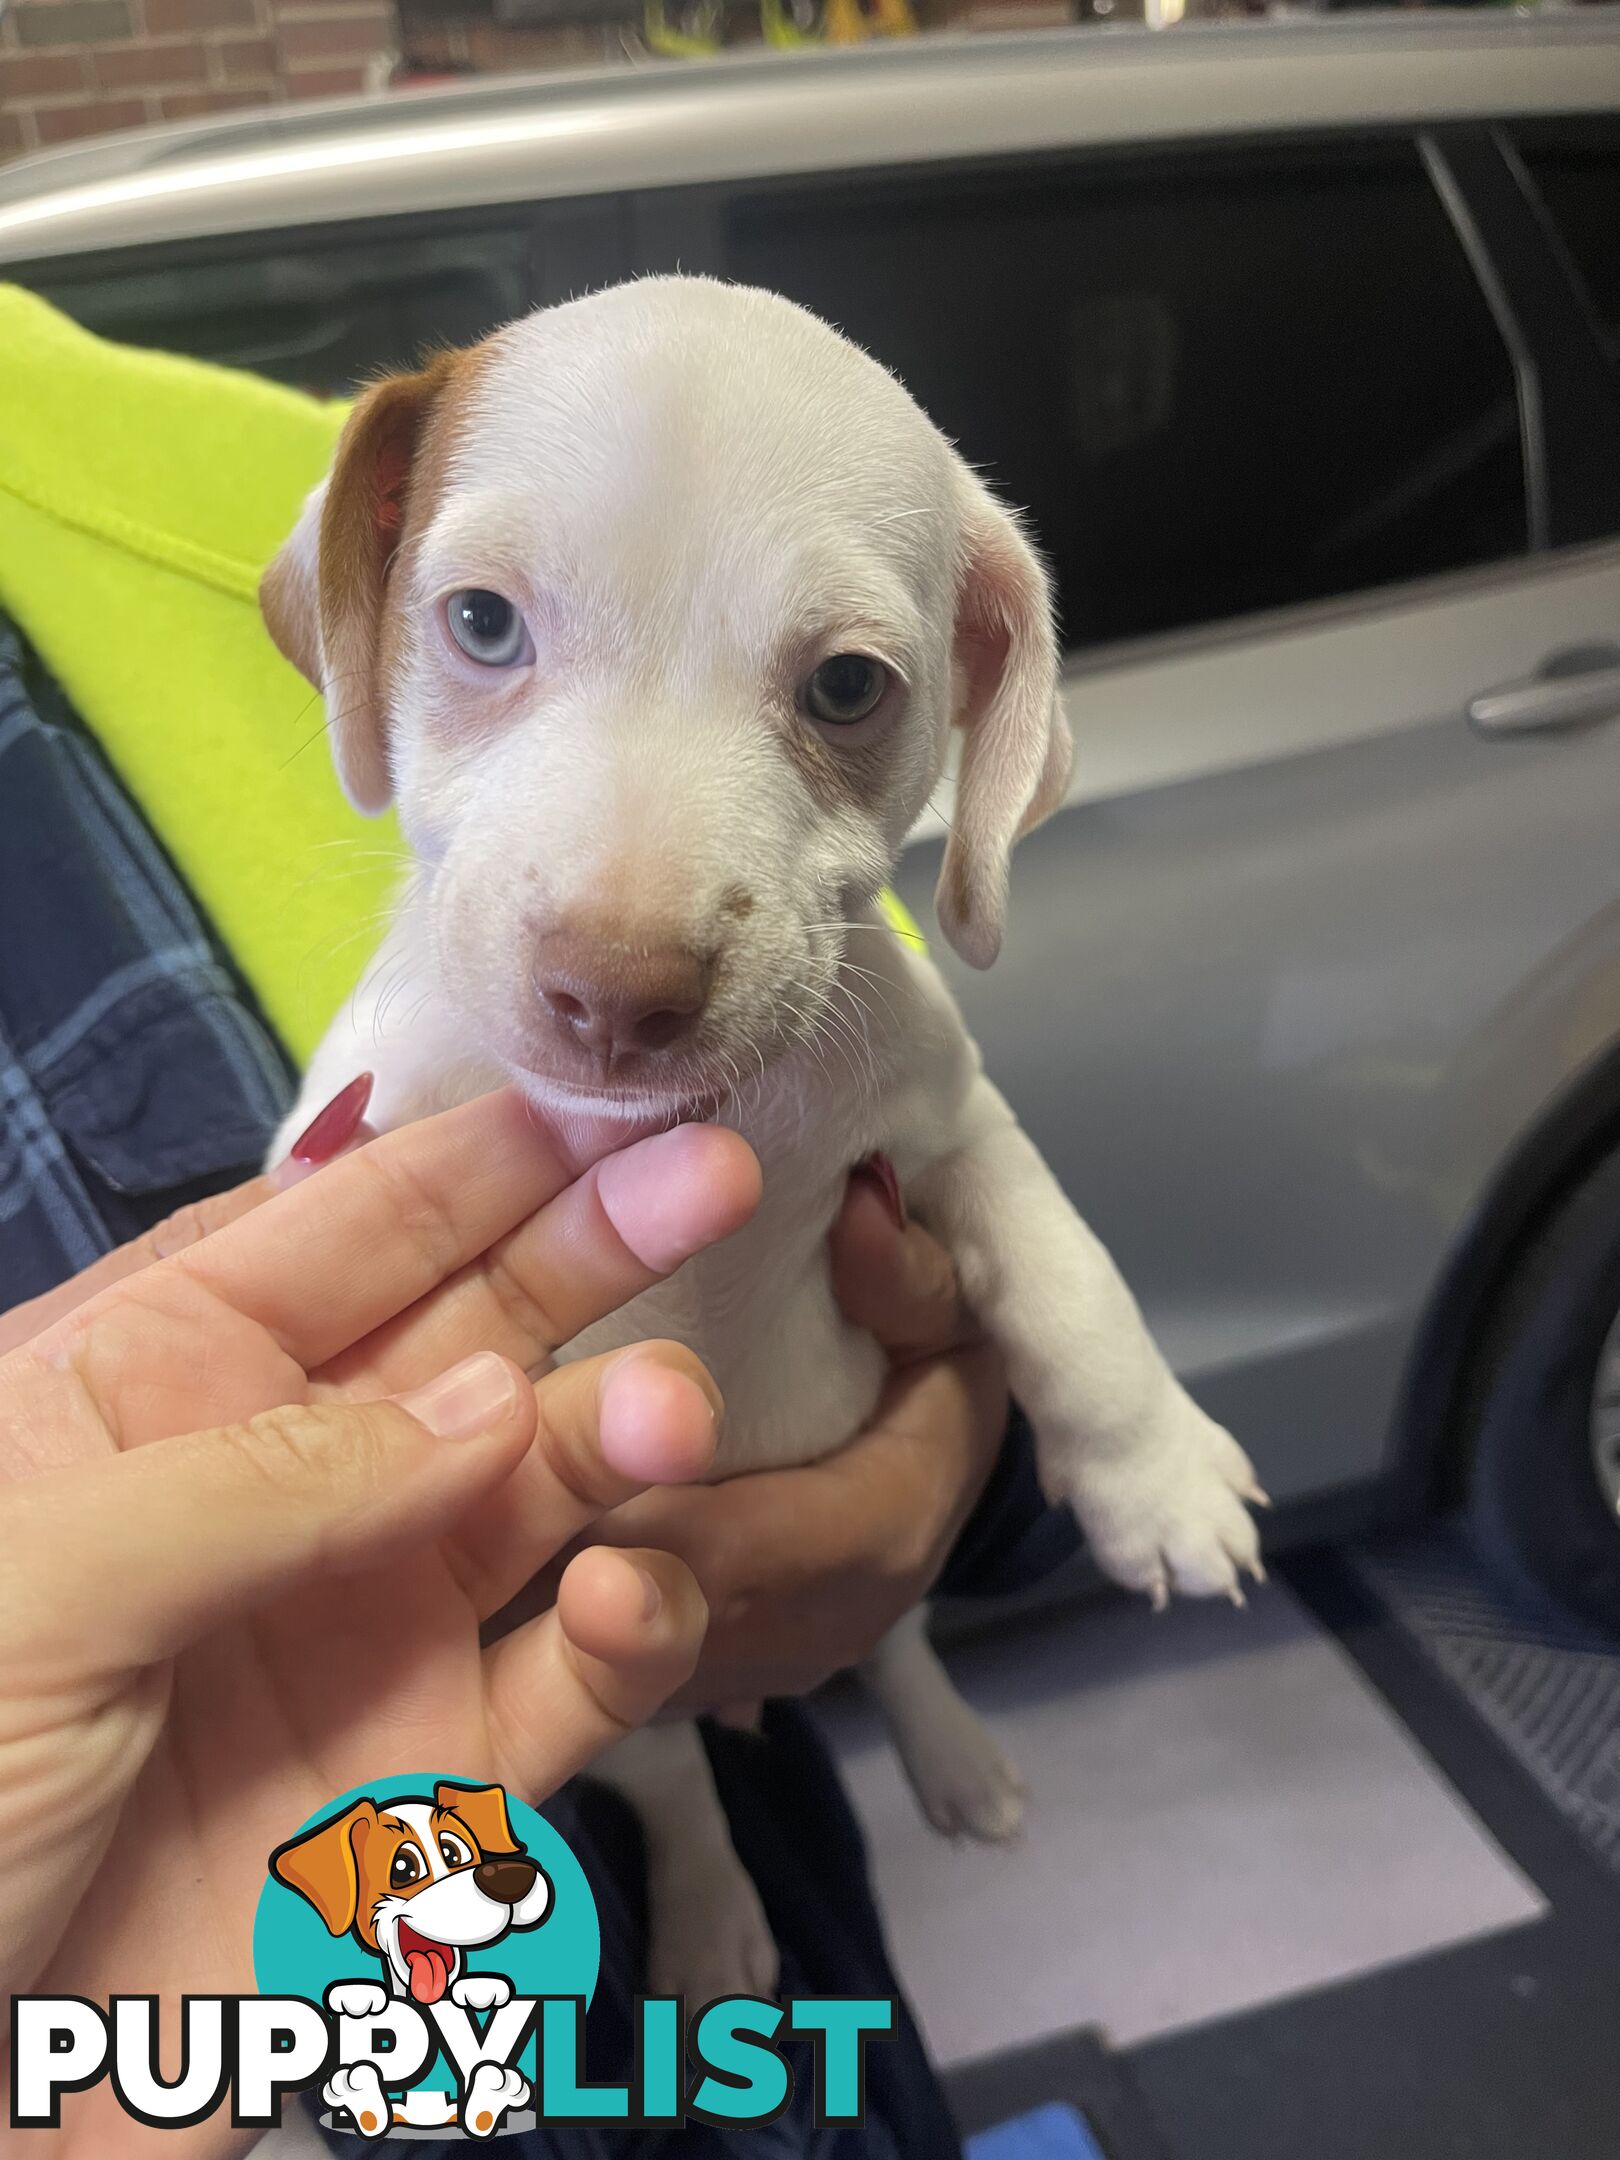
x=508, y=1881
x=610, y=999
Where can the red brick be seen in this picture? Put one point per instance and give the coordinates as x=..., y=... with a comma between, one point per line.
x=174, y=18
x=326, y=82
x=37, y=75
x=151, y=67
x=187, y=104
x=70, y=22
x=354, y=35
x=234, y=58
x=66, y=123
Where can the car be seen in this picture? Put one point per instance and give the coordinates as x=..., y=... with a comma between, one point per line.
x=1300, y=344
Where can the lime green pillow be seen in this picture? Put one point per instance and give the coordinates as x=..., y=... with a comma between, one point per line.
x=140, y=497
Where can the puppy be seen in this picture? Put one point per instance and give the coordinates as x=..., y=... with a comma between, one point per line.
x=656, y=614
x=418, y=1883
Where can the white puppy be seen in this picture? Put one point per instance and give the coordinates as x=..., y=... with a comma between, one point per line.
x=654, y=613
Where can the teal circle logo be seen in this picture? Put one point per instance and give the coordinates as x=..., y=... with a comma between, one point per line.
x=381, y=1885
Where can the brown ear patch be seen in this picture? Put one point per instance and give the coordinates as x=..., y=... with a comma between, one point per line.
x=482, y=1810
x=289, y=601
x=322, y=1865
x=391, y=462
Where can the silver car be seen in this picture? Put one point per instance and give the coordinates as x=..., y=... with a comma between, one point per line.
x=1301, y=343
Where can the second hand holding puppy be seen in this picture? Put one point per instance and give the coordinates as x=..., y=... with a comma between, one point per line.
x=806, y=1570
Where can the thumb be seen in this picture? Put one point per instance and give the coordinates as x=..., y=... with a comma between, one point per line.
x=116, y=1565
x=895, y=1280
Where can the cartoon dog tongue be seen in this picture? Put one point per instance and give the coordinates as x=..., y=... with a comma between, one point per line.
x=428, y=1964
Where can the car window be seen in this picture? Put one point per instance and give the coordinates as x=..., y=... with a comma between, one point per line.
x=321, y=318
x=1218, y=383
x=1576, y=167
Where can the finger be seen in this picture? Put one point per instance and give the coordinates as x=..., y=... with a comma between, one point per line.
x=624, y=1635
x=805, y=1569
x=627, y=1222
x=117, y=1566
x=336, y=1128
x=898, y=1284
x=323, y=1265
x=186, y=1227
x=295, y=1169
x=608, y=1427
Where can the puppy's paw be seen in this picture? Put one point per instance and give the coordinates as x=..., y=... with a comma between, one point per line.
x=710, y=1937
x=358, y=2093
x=1172, y=1513
x=964, y=1784
x=356, y=1998
x=481, y=1991
x=492, y=2093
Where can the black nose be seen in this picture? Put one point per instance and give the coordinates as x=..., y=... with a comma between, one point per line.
x=507, y=1880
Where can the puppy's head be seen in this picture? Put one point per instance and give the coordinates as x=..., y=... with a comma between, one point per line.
x=654, y=613
x=419, y=1881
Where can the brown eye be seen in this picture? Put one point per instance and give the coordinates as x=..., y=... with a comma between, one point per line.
x=407, y=1867
x=844, y=689
x=453, y=1852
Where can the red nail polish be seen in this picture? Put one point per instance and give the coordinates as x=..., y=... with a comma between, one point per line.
x=329, y=1132
x=879, y=1173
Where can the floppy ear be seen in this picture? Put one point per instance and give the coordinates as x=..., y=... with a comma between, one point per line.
x=483, y=1809
x=321, y=1866
x=1016, y=744
x=322, y=595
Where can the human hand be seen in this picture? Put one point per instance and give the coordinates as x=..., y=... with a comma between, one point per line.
x=207, y=1636
x=805, y=1570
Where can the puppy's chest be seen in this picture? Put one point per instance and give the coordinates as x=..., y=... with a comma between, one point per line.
x=796, y=1378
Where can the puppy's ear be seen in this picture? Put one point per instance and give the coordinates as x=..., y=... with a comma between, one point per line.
x=483, y=1809
x=1016, y=744
x=289, y=591
x=322, y=1866
x=322, y=595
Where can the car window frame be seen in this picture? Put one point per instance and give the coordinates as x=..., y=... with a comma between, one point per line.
x=1578, y=389
x=572, y=243
x=1506, y=245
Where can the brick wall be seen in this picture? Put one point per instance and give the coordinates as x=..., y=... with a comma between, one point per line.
x=72, y=68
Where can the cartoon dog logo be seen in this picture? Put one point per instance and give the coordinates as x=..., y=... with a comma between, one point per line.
x=418, y=1883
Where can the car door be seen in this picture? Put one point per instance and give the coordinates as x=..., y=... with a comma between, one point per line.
x=1306, y=949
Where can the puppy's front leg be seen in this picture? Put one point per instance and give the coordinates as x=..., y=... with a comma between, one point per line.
x=1159, y=1488
x=707, y=1931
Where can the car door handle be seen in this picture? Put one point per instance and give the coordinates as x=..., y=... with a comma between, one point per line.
x=1572, y=689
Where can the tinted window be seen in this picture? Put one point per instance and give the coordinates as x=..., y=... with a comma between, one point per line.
x=1217, y=384
x=320, y=318
x=1576, y=166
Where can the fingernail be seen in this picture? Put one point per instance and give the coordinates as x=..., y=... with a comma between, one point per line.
x=329, y=1132
x=652, y=1598
x=878, y=1172
x=465, y=1401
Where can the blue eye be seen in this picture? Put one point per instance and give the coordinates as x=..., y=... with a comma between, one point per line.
x=844, y=689
x=488, y=628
